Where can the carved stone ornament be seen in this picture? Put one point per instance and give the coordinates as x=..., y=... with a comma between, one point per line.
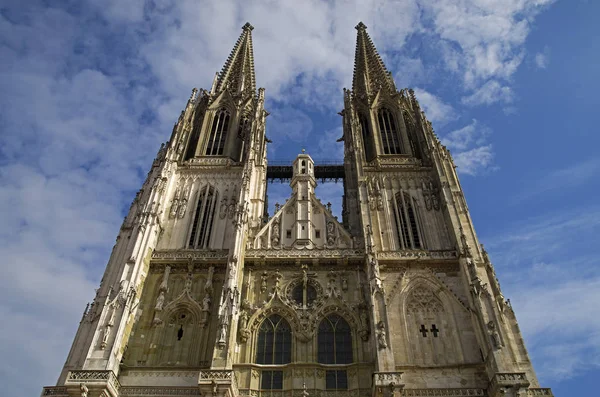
x=495, y=335
x=381, y=335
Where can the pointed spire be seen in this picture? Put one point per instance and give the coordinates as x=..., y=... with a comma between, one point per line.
x=370, y=74
x=238, y=71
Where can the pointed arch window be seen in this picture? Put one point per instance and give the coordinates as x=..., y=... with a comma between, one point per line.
x=218, y=133
x=366, y=137
x=274, y=341
x=203, y=218
x=407, y=222
x=334, y=342
x=389, y=132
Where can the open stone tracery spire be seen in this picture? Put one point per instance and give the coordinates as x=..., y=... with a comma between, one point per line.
x=370, y=73
x=238, y=72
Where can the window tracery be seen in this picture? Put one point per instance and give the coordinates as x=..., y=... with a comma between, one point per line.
x=203, y=218
x=407, y=222
x=274, y=344
x=218, y=133
x=389, y=132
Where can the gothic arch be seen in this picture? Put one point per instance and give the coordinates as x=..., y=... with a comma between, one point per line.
x=261, y=315
x=204, y=212
x=257, y=318
x=341, y=309
x=429, y=315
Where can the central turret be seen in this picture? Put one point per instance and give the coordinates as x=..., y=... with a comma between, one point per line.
x=303, y=186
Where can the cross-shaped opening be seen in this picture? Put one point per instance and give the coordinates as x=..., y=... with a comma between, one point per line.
x=423, y=330
x=434, y=330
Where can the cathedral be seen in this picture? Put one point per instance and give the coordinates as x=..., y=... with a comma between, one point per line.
x=207, y=294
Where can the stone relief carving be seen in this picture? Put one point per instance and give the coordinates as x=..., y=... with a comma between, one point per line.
x=423, y=300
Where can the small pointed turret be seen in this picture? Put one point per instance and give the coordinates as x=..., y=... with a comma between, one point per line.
x=238, y=71
x=370, y=74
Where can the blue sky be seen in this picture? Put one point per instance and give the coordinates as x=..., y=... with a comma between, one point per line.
x=90, y=89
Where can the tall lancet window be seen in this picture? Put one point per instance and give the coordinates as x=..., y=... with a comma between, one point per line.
x=218, y=133
x=274, y=347
x=407, y=222
x=367, y=137
x=334, y=342
x=389, y=132
x=203, y=218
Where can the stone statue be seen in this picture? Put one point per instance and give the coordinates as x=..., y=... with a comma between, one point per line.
x=381, y=335
x=160, y=301
x=495, y=335
x=206, y=303
x=375, y=269
x=182, y=208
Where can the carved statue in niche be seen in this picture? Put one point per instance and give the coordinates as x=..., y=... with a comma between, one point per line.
x=223, y=207
x=344, y=282
x=364, y=321
x=232, y=207
x=375, y=269
x=435, y=200
x=381, y=335
x=174, y=204
x=275, y=232
x=332, y=290
x=277, y=276
x=182, y=207
x=206, y=303
x=263, y=281
x=494, y=334
x=243, y=326
x=222, y=333
x=160, y=301
x=330, y=233
x=107, y=329
x=188, y=283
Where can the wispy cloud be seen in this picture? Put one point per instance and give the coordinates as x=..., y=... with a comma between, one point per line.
x=541, y=60
x=90, y=89
x=554, y=284
x=491, y=92
x=438, y=112
x=471, y=152
x=560, y=179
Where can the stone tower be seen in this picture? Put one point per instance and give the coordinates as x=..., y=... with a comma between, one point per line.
x=205, y=294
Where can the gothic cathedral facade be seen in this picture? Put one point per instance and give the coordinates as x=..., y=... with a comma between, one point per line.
x=205, y=294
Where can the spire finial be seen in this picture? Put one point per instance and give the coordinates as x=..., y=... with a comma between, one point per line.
x=247, y=26
x=360, y=26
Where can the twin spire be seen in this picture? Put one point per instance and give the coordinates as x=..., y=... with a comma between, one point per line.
x=370, y=73
x=238, y=72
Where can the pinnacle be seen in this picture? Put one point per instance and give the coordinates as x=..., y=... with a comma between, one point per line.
x=360, y=26
x=247, y=27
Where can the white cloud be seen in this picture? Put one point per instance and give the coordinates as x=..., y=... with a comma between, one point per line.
x=470, y=150
x=472, y=162
x=437, y=111
x=553, y=285
x=541, y=60
x=85, y=107
x=491, y=92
